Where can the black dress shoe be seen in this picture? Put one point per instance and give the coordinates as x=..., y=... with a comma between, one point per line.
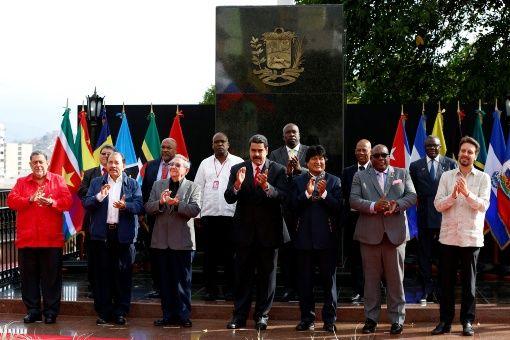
x=186, y=323
x=120, y=320
x=32, y=317
x=305, y=326
x=369, y=326
x=396, y=328
x=329, y=327
x=467, y=329
x=101, y=321
x=261, y=323
x=153, y=295
x=49, y=319
x=236, y=324
x=441, y=328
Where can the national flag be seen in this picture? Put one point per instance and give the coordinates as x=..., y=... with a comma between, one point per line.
x=400, y=156
x=64, y=162
x=504, y=194
x=419, y=140
x=139, y=177
x=437, y=131
x=105, y=137
x=151, y=144
x=478, y=135
x=493, y=165
x=83, y=149
x=124, y=143
x=176, y=133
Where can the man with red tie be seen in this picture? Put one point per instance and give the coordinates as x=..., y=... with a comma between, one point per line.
x=259, y=186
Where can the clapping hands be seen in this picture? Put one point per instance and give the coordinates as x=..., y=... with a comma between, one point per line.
x=166, y=198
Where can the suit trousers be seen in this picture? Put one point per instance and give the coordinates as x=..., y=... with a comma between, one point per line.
x=174, y=268
x=325, y=259
x=218, y=250
x=428, y=249
x=384, y=260
x=113, y=266
x=41, y=271
x=247, y=261
x=450, y=258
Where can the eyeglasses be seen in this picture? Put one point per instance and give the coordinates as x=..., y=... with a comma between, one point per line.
x=380, y=155
x=177, y=165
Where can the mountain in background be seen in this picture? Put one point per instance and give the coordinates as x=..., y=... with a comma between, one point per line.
x=45, y=143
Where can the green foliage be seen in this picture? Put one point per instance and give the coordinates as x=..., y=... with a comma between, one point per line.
x=408, y=50
x=209, y=96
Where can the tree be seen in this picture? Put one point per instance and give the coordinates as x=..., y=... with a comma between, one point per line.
x=209, y=96
x=409, y=50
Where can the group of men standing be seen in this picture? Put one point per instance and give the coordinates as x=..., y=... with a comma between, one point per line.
x=283, y=203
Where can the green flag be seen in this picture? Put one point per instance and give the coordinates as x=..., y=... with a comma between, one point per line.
x=478, y=135
x=151, y=143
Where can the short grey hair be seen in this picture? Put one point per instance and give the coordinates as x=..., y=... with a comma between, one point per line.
x=38, y=153
x=184, y=159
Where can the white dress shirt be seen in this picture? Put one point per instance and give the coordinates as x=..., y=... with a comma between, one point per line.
x=113, y=196
x=295, y=150
x=435, y=163
x=160, y=169
x=463, y=217
x=212, y=179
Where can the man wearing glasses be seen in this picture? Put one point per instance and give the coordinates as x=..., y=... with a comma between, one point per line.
x=174, y=202
x=381, y=194
x=425, y=174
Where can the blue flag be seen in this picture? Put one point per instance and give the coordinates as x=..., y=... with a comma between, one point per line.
x=419, y=140
x=124, y=143
x=493, y=165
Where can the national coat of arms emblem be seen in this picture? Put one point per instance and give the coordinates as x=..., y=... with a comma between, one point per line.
x=281, y=63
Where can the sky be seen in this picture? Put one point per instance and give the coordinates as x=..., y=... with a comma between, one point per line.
x=136, y=52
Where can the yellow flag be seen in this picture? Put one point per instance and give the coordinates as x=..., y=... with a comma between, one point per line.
x=438, y=132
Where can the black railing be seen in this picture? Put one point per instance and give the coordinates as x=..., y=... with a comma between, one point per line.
x=9, y=272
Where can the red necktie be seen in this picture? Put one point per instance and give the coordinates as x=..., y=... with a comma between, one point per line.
x=104, y=171
x=255, y=179
x=164, y=171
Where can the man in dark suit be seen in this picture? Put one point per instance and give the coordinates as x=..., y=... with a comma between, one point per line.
x=88, y=176
x=381, y=194
x=425, y=174
x=259, y=186
x=155, y=170
x=317, y=202
x=113, y=201
x=292, y=156
x=350, y=217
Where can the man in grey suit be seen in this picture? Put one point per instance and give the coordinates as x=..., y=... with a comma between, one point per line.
x=174, y=202
x=381, y=194
x=425, y=173
x=292, y=156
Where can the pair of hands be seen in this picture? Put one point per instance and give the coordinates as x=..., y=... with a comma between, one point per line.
x=120, y=204
x=460, y=188
x=385, y=206
x=165, y=198
x=40, y=198
x=321, y=186
x=293, y=165
x=260, y=180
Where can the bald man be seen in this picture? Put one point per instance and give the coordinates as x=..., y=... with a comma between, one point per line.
x=350, y=217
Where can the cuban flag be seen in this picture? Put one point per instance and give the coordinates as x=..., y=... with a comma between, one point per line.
x=400, y=156
x=493, y=167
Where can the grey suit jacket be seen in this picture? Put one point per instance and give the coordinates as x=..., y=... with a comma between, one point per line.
x=365, y=189
x=174, y=227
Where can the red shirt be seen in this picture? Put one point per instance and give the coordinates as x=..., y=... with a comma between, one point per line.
x=39, y=226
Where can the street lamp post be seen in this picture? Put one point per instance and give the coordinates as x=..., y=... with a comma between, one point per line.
x=94, y=107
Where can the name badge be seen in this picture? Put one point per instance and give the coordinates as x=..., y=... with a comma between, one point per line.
x=215, y=185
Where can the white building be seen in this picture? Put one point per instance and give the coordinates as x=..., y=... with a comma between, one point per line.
x=17, y=160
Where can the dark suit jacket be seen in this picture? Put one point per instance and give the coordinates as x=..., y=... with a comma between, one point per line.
x=317, y=221
x=426, y=189
x=258, y=217
x=88, y=176
x=151, y=174
x=281, y=155
x=349, y=217
x=99, y=210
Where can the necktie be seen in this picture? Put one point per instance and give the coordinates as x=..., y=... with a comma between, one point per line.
x=164, y=170
x=380, y=179
x=255, y=180
x=361, y=168
x=292, y=152
x=104, y=171
x=432, y=170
